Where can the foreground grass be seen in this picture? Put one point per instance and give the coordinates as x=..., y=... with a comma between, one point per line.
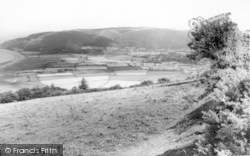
x=97, y=123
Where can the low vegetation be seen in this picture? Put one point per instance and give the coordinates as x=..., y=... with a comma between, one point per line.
x=163, y=80
x=83, y=84
x=27, y=94
x=146, y=83
x=49, y=91
x=227, y=85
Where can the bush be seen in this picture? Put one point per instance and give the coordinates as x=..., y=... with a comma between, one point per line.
x=7, y=97
x=163, y=80
x=39, y=92
x=83, y=84
x=228, y=84
x=189, y=78
x=60, y=70
x=146, y=83
x=115, y=87
x=228, y=124
x=56, y=93
x=24, y=94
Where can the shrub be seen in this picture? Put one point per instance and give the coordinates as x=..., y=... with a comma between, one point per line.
x=60, y=70
x=39, y=92
x=24, y=94
x=228, y=124
x=7, y=97
x=115, y=87
x=163, y=80
x=133, y=86
x=146, y=83
x=228, y=84
x=75, y=90
x=83, y=84
x=56, y=93
x=189, y=78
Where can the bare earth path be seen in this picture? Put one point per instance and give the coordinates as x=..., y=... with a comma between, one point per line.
x=157, y=145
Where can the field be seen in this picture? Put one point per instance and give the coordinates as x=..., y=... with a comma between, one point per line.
x=13, y=82
x=107, y=79
x=113, y=68
x=31, y=63
x=128, y=122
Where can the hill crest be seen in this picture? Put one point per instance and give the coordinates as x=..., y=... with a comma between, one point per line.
x=121, y=37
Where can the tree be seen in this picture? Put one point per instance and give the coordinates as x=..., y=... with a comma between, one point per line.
x=209, y=38
x=83, y=84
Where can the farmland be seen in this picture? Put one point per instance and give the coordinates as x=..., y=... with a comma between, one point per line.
x=67, y=70
x=105, y=80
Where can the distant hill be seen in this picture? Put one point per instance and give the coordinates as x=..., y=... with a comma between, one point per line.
x=92, y=40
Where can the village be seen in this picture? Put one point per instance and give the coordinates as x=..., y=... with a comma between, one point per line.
x=133, y=51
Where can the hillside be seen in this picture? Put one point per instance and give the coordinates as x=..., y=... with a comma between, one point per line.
x=99, y=39
x=127, y=122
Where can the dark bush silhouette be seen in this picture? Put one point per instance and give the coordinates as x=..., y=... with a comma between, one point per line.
x=146, y=83
x=210, y=39
x=163, y=80
x=83, y=84
x=115, y=87
x=24, y=94
x=7, y=97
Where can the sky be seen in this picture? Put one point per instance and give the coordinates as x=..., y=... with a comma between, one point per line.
x=19, y=18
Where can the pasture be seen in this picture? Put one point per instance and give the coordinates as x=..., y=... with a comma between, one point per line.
x=31, y=63
x=105, y=80
x=14, y=82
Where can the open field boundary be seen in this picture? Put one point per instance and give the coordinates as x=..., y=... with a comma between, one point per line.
x=180, y=83
x=56, y=74
x=131, y=72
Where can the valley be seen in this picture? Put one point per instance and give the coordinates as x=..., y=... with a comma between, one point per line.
x=31, y=69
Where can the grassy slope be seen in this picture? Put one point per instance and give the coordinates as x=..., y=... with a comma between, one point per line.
x=73, y=40
x=102, y=123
